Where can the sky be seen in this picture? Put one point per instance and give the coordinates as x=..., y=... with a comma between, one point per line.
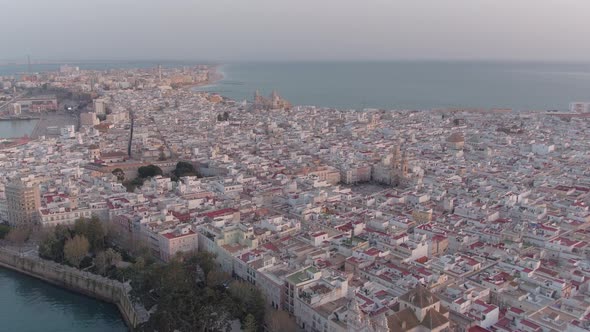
x=296, y=30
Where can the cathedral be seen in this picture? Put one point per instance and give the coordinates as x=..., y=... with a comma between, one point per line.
x=274, y=102
x=394, y=170
x=419, y=311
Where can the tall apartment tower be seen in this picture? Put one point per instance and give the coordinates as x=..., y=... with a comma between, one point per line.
x=22, y=202
x=99, y=106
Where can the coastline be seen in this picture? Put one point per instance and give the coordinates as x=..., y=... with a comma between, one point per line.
x=219, y=75
x=73, y=280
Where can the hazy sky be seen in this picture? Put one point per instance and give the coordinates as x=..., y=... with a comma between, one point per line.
x=246, y=30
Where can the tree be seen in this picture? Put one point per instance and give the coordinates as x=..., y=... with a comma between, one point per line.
x=279, y=320
x=95, y=234
x=119, y=174
x=105, y=259
x=4, y=230
x=225, y=116
x=149, y=171
x=217, y=278
x=249, y=324
x=184, y=168
x=248, y=300
x=199, y=265
x=75, y=249
x=52, y=245
x=93, y=230
x=50, y=248
x=162, y=155
x=18, y=236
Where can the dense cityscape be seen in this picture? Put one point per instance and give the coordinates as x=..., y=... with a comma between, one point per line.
x=339, y=220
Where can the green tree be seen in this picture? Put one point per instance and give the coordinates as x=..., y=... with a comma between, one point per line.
x=4, y=229
x=94, y=230
x=119, y=174
x=75, y=249
x=96, y=234
x=80, y=226
x=279, y=320
x=149, y=171
x=248, y=300
x=18, y=235
x=52, y=245
x=184, y=168
x=249, y=324
x=105, y=260
x=49, y=248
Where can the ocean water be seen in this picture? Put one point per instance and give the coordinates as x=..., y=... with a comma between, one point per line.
x=31, y=305
x=418, y=85
x=16, y=128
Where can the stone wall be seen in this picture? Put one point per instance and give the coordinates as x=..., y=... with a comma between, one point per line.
x=73, y=279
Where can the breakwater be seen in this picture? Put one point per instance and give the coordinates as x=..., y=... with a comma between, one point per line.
x=75, y=280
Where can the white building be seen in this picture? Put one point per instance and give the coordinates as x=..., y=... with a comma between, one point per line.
x=580, y=107
x=68, y=131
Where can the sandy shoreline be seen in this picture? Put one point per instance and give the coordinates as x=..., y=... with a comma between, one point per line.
x=218, y=76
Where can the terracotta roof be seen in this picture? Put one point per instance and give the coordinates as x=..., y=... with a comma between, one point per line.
x=404, y=320
x=420, y=297
x=434, y=319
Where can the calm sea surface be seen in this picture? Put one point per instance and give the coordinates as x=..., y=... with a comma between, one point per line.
x=16, y=128
x=31, y=305
x=412, y=85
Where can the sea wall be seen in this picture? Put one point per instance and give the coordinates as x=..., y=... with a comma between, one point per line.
x=73, y=279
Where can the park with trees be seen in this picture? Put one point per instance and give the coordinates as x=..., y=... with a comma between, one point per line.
x=183, y=168
x=188, y=293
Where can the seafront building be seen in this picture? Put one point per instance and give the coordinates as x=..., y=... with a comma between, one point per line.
x=349, y=221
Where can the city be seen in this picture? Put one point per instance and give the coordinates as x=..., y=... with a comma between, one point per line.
x=363, y=220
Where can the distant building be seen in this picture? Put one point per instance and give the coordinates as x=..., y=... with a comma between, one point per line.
x=93, y=152
x=89, y=119
x=394, y=169
x=456, y=141
x=39, y=104
x=23, y=201
x=15, y=109
x=68, y=131
x=580, y=107
x=117, y=117
x=66, y=69
x=99, y=106
x=272, y=103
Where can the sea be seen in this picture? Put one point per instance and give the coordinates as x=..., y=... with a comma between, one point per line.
x=414, y=85
x=31, y=305
x=16, y=128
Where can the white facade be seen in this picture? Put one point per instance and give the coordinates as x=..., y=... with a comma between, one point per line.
x=580, y=107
